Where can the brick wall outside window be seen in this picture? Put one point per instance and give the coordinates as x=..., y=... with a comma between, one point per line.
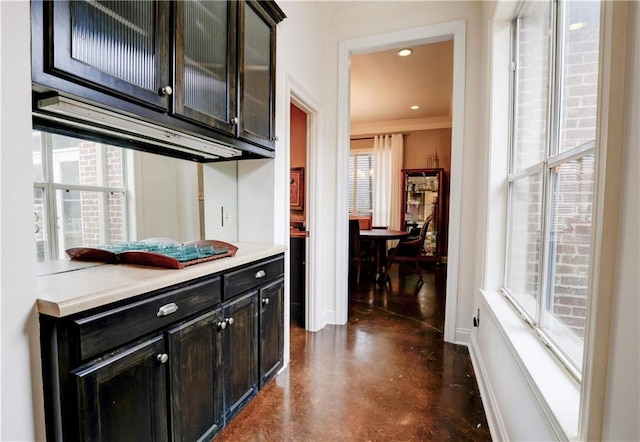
x=572, y=197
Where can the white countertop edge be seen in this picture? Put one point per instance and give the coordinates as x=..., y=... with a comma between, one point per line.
x=67, y=293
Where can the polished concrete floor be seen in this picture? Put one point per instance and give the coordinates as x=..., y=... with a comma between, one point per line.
x=385, y=376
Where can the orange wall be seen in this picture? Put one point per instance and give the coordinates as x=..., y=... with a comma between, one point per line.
x=418, y=145
x=298, y=140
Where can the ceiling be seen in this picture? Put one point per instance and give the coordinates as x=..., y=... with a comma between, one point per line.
x=384, y=85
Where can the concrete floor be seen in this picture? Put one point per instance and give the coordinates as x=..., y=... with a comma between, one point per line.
x=385, y=376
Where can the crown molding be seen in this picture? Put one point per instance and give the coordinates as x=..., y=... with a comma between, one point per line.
x=395, y=126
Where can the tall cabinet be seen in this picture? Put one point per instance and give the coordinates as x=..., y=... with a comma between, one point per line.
x=424, y=194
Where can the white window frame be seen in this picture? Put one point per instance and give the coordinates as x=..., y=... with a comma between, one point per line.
x=49, y=189
x=571, y=410
x=550, y=160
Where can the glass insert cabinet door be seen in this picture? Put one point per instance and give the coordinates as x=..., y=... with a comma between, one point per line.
x=423, y=198
x=120, y=47
x=257, y=75
x=205, y=53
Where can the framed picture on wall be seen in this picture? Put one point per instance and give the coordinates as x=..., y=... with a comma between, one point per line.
x=296, y=188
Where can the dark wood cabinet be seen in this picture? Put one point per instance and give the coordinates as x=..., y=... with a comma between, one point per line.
x=175, y=364
x=118, y=47
x=206, y=71
x=424, y=192
x=271, y=330
x=240, y=350
x=201, y=67
x=123, y=396
x=195, y=384
x=257, y=74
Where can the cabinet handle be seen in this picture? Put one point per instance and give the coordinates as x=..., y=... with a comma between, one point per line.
x=261, y=274
x=275, y=138
x=166, y=90
x=265, y=301
x=234, y=120
x=162, y=358
x=229, y=321
x=167, y=309
x=222, y=325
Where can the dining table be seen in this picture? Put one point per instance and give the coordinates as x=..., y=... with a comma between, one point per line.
x=379, y=238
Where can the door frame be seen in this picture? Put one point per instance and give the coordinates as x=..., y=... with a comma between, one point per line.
x=296, y=95
x=456, y=31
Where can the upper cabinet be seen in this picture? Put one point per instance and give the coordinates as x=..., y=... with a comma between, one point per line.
x=257, y=75
x=120, y=47
x=201, y=67
x=205, y=63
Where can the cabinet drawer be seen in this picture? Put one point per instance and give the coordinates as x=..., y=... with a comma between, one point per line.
x=249, y=277
x=103, y=331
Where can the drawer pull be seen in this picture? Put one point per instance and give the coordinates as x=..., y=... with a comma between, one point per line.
x=265, y=301
x=222, y=325
x=229, y=321
x=167, y=309
x=260, y=274
x=162, y=358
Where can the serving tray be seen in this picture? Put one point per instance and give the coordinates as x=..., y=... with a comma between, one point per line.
x=169, y=254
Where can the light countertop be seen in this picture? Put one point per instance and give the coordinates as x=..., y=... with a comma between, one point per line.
x=67, y=287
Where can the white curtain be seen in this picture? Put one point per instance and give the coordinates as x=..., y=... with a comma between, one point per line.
x=387, y=164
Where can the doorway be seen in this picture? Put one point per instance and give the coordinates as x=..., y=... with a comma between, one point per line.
x=455, y=31
x=298, y=136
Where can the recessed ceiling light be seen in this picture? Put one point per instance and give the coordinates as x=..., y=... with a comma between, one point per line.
x=415, y=107
x=405, y=52
x=576, y=26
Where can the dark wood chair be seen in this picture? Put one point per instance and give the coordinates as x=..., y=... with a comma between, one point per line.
x=408, y=249
x=355, y=250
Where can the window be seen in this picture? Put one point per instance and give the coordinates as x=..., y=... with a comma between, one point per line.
x=80, y=195
x=361, y=183
x=552, y=169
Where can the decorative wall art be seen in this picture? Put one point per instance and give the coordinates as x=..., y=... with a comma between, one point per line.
x=296, y=188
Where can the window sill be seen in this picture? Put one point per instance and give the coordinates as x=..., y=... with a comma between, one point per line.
x=556, y=390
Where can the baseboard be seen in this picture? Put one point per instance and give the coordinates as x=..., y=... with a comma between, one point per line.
x=489, y=402
x=329, y=317
x=463, y=336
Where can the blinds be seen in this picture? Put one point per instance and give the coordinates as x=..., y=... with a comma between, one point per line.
x=361, y=183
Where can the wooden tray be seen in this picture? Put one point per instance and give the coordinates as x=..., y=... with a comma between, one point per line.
x=152, y=259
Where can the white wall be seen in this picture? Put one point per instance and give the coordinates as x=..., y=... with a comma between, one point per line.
x=20, y=380
x=220, y=189
x=622, y=409
x=307, y=63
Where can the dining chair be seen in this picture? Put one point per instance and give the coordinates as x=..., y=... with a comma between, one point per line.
x=409, y=248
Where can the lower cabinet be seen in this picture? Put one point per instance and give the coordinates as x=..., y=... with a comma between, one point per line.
x=240, y=350
x=271, y=330
x=183, y=380
x=195, y=383
x=123, y=397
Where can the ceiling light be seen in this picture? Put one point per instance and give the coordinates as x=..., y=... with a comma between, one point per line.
x=405, y=52
x=111, y=123
x=576, y=26
x=415, y=107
